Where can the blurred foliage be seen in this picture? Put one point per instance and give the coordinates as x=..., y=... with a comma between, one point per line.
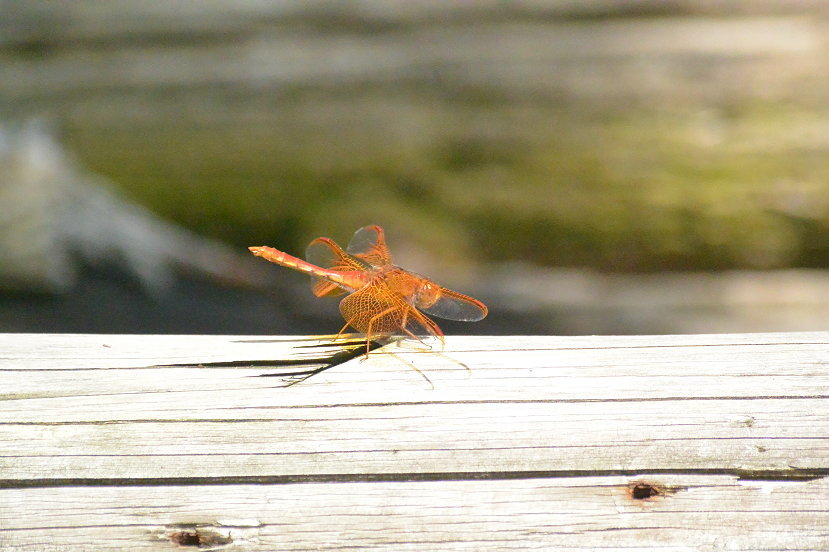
x=634, y=189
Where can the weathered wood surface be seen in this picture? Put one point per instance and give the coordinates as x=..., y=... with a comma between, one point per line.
x=112, y=442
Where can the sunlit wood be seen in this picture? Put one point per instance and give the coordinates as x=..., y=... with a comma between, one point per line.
x=582, y=443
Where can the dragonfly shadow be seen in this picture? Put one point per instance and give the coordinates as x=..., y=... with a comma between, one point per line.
x=297, y=370
x=351, y=349
x=354, y=349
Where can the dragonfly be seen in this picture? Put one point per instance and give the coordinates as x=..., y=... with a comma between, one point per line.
x=382, y=299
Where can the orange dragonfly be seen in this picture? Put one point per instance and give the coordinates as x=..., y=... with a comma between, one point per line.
x=383, y=299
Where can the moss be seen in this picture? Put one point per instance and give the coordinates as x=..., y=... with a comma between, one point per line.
x=627, y=189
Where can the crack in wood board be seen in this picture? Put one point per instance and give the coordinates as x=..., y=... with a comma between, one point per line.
x=790, y=475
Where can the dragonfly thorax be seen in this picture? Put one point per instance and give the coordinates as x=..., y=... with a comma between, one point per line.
x=417, y=290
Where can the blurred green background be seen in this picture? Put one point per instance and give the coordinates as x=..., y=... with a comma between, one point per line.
x=639, y=190
x=623, y=137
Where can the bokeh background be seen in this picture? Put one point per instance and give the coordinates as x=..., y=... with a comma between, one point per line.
x=592, y=166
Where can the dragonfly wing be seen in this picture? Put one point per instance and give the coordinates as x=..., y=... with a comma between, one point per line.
x=326, y=253
x=323, y=288
x=452, y=305
x=369, y=244
x=377, y=310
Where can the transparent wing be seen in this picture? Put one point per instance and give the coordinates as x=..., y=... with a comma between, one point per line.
x=452, y=305
x=325, y=253
x=376, y=310
x=369, y=244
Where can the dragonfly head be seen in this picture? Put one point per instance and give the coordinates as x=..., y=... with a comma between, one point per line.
x=427, y=294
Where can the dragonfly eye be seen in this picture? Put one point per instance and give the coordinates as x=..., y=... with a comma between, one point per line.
x=427, y=295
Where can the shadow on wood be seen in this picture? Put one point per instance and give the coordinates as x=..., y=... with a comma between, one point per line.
x=139, y=442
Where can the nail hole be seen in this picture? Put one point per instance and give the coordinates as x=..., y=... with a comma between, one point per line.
x=186, y=538
x=199, y=537
x=640, y=490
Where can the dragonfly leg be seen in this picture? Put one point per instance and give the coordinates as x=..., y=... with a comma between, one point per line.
x=340, y=333
x=428, y=325
x=371, y=323
x=413, y=336
x=406, y=330
x=403, y=327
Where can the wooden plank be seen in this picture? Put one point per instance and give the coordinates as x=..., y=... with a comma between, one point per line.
x=86, y=351
x=718, y=436
x=591, y=513
x=728, y=403
x=119, y=442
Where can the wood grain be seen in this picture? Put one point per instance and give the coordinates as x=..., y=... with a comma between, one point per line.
x=591, y=513
x=112, y=442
